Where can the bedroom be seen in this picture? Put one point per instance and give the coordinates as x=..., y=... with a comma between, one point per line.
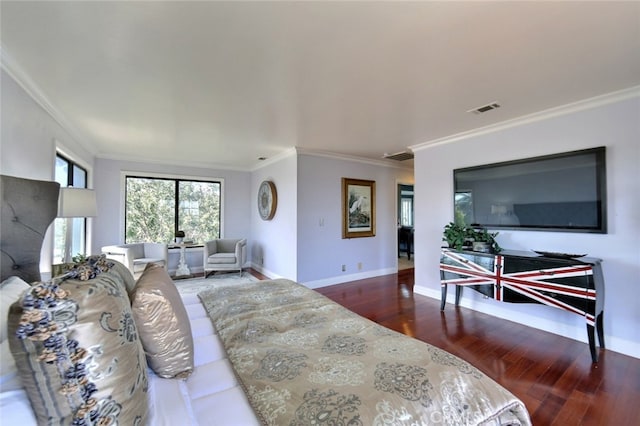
x=30, y=136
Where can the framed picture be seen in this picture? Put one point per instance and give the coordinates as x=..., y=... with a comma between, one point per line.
x=358, y=208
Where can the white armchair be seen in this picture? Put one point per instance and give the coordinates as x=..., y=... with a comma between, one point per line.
x=224, y=254
x=136, y=256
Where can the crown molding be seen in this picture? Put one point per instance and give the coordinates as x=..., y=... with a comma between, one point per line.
x=336, y=156
x=582, y=105
x=173, y=162
x=271, y=160
x=22, y=79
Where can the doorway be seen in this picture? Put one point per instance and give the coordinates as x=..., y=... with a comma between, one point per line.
x=405, y=226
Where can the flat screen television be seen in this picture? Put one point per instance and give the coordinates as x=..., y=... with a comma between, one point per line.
x=560, y=192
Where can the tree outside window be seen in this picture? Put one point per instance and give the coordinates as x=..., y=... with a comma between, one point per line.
x=463, y=208
x=158, y=207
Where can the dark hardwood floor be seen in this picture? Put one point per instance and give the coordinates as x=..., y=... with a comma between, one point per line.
x=552, y=375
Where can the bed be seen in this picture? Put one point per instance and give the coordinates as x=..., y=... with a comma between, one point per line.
x=272, y=352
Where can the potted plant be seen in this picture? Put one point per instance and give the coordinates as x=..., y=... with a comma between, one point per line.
x=456, y=235
x=179, y=236
x=485, y=241
x=459, y=236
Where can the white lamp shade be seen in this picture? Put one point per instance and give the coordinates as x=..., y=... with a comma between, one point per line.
x=77, y=202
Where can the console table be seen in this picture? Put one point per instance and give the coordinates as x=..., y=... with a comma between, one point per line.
x=573, y=284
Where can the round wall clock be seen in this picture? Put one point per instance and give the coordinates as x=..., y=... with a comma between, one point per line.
x=267, y=200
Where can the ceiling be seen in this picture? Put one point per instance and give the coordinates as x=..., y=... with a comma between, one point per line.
x=219, y=84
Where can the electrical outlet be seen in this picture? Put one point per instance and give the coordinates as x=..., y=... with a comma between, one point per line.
x=359, y=266
x=344, y=268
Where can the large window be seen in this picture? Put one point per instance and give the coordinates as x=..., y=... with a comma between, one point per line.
x=70, y=234
x=155, y=208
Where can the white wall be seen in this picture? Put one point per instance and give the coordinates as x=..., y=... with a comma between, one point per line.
x=321, y=249
x=304, y=241
x=273, y=245
x=29, y=137
x=108, y=185
x=615, y=125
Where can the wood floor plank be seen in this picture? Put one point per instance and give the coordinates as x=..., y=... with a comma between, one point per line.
x=574, y=409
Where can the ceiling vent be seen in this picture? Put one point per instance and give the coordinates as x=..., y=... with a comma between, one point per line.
x=400, y=156
x=485, y=108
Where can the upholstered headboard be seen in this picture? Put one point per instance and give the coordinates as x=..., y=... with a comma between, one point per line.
x=28, y=208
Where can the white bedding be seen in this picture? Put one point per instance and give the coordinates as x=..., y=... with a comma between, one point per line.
x=210, y=396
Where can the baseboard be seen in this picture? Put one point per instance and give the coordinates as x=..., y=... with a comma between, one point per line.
x=615, y=344
x=346, y=278
x=264, y=271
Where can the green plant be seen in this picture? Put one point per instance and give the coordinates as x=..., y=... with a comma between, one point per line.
x=456, y=235
x=482, y=235
x=179, y=234
x=79, y=258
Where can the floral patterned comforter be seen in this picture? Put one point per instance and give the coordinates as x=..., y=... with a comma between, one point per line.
x=303, y=359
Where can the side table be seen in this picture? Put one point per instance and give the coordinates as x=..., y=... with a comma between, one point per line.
x=183, y=268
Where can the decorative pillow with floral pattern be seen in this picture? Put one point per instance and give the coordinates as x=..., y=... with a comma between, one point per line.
x=77, y=349
x=88, y=268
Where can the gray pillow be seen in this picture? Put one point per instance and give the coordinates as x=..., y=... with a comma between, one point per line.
x=163, y=323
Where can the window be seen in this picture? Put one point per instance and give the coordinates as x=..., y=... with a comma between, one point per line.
x=406, y=207
x=70, y=234
x=155, y=208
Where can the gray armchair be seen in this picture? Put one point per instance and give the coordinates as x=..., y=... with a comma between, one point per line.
x=224, y=254
x=136, y=256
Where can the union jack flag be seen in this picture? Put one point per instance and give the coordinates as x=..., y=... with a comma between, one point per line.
x=532, y=284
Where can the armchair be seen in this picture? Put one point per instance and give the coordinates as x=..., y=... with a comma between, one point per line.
x=136, y=256
x=224, y=255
